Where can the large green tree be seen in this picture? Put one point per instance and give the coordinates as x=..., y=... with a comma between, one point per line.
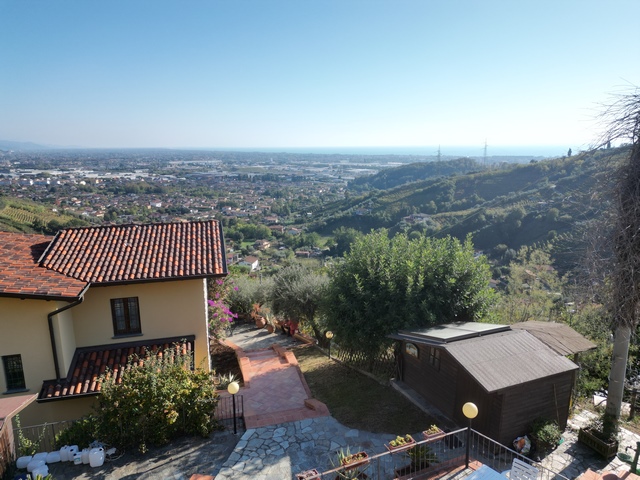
x=384, y=285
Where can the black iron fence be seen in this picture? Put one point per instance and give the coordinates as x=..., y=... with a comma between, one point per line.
x=230, y=414
x=444, y=457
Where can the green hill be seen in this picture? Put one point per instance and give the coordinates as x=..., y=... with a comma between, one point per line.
x=21, y=215
x=512, y=206
x=393, y=177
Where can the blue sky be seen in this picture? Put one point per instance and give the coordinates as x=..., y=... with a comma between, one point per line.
x=313, y=73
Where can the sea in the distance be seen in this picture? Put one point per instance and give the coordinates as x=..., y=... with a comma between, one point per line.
x=445, y=151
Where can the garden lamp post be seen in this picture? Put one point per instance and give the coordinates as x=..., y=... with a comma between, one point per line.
x=470, y=411
x=233, y=388
x=329, y=336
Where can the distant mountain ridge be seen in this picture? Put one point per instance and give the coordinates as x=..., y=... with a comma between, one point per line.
x=23, y=146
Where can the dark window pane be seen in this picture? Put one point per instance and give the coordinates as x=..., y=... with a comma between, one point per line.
x=13, y=372
x=126, y=316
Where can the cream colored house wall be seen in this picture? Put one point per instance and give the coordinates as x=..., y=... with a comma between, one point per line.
x=24, y=330
x=65, y=339
x=167, y=309
x=58, y=411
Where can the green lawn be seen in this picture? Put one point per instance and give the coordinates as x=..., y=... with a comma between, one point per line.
x=356, y=400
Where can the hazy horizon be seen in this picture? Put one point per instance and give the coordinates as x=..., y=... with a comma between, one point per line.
x=417, y=150
x=324, y=74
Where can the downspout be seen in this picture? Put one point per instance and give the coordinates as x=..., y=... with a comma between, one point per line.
x=51, y=335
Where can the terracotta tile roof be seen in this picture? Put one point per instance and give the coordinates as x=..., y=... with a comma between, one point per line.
x=21, y=276
x=89, y=363
x=129, y=253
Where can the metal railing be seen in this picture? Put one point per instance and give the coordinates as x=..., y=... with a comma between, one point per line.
x=224, y=413
x=41, y=437
x=445, y=456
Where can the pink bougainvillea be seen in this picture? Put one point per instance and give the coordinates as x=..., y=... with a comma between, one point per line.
x=220, y=316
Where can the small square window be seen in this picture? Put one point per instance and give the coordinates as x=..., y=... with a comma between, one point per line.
x=13, y=372
x=126, y=316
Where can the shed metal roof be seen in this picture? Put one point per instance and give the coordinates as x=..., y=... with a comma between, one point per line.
x=506, y=359
x=452, y=332
x=560, y=337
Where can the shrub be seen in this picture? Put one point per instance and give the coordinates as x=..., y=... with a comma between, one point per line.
x=81, y=432
x=547, y=434
x=158, y=399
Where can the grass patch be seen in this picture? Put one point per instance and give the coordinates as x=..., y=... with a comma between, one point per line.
x=356, y=400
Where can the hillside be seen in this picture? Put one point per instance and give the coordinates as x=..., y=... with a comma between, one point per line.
x=516, y=205
x=20, y=215
x=393, y=177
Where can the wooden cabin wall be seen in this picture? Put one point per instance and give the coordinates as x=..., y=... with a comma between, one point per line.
x=436, y=384
x=489, y=406
x=548, y=398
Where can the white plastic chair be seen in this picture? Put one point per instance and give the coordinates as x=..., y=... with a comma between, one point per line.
x=522, y=471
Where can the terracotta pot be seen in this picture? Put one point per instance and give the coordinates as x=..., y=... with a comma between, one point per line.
x=433, y=436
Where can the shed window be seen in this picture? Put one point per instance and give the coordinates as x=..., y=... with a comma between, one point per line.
x=434, y=357
x=14, y=373
x=126, y=316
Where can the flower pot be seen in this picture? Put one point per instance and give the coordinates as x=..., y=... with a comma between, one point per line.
x=606, y=449
x=354, y=461
x=270, y=328
x=430, y=435
x=409, y=444
x=260, y=322
x=313, y=473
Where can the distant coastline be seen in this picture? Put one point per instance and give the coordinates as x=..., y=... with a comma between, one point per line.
x=445, y=151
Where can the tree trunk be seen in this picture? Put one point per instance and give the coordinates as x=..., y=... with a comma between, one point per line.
x=618, y=371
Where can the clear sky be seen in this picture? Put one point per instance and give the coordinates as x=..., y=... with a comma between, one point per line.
x=313, y=73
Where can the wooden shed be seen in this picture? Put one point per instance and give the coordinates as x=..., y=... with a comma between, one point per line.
x=512, y=376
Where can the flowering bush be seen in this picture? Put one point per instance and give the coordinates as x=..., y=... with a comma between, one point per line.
x=220, y=316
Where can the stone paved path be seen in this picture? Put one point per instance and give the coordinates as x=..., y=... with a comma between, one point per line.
x=279, y=452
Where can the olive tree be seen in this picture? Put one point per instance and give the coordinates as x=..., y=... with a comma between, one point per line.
x=296, y=293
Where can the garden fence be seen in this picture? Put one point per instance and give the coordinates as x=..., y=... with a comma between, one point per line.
x=381, y=366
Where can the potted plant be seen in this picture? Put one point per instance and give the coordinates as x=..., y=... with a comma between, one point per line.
x=257, y=317
x=432, y=433
x=421, y=458
x=353, y=464
x=270, y=323
x=546, y=435
x=601, y=435
x=313, y=473
x=400, y=443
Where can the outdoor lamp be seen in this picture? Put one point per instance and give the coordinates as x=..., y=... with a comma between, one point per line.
x=233, y=388
x=470, y=411
x=329, y=336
